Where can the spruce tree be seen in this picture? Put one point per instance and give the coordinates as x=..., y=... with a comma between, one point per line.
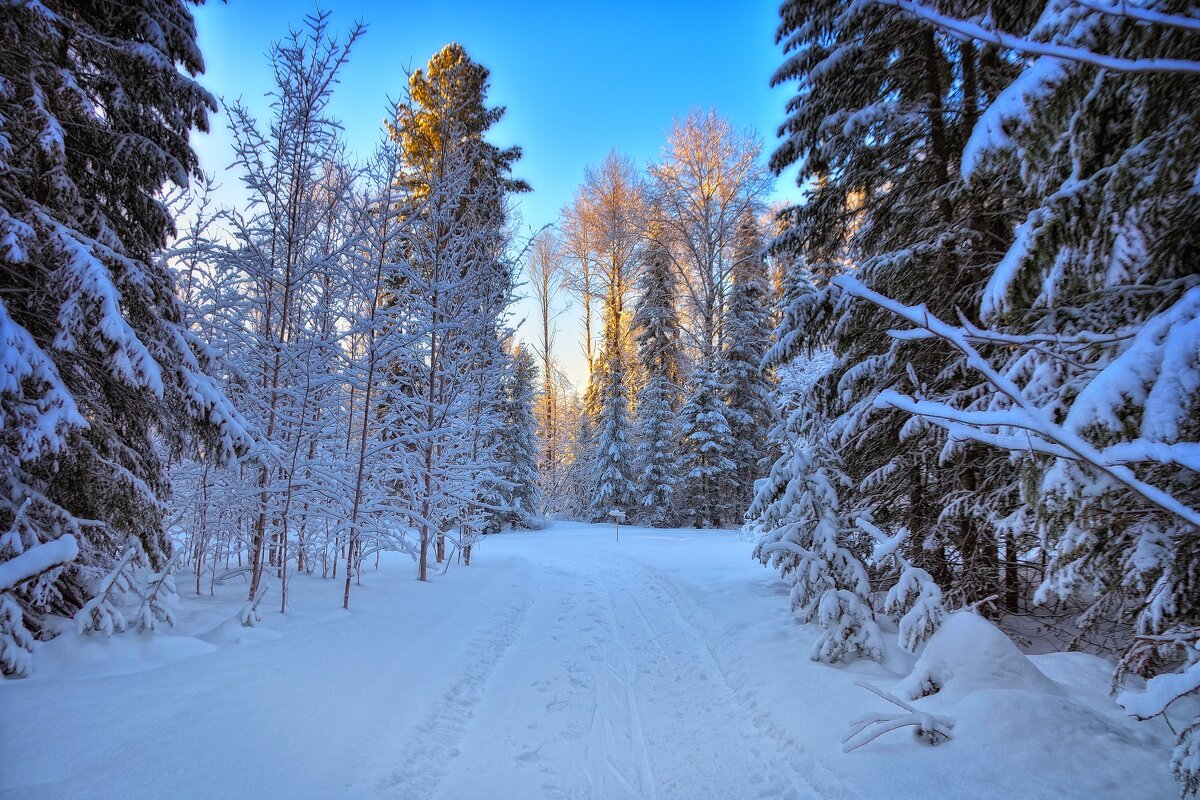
x=103, y=381
x=803, y=529
x=705, y=442
x=656, y=331
x=612, y=487
x=882, y=114
x=1103, y=266
x=746, y=337
x=516, y=453
x=582, y=468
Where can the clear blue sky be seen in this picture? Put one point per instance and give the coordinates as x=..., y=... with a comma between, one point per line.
x=578, y=79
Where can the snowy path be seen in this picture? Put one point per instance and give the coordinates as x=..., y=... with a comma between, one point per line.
x=607, y=676
x=560, y=665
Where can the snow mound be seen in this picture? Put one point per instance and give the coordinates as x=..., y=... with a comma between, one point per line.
x=999, y=701
x=969, y=654
x=232, y=631
x=72, y=656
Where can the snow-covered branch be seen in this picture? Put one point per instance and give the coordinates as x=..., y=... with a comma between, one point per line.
x=930, y=728
x=1124, y=8
x=1025, y=415
x=1021, y=44
x=36, y=560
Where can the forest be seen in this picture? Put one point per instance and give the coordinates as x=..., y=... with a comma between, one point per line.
x=928, y=351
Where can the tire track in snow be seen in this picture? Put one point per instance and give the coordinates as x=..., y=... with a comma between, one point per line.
x=432, y=747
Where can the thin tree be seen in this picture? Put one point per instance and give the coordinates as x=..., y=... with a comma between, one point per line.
x=545, y=273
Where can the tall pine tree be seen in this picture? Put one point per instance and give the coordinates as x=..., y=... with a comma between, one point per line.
x=458, y=288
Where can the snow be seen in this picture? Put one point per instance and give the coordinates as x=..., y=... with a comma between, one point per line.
x=36, y=560
x=1160, y=692
x=560, y=664
x=1159, y=371
x=1011, y=107
x=970, y=654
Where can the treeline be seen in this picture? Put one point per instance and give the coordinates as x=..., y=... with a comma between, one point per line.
x=668, y=269
x=322, y=374
x=997, y=253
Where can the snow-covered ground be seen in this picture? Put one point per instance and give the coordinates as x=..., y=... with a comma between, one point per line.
x=562, y=664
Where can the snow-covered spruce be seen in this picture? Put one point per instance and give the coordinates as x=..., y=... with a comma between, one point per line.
x=882, y=111
x=101, y=381
x=656, y=330
x=803, y=531
x=516, y=449
x=1086, y=335
x=612, y=471
x=705, y=444
x=745, y=338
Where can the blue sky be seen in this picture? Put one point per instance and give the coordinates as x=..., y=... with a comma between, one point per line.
x=578, y=78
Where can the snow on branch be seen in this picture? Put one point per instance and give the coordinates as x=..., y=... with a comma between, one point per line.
x=973, y=30
x=1123, y=8
x=915, y=597
x=1161, y=691
x=930, y=728
x=36, y=560
x=100, y=614
x=1044, y=434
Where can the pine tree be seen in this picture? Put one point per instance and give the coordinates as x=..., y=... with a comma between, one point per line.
x=102, y=379
x=746, y=337
x=656, y=331
x=705, y=442
x=458, y=288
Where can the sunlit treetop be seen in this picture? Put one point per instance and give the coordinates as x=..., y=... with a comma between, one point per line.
x=446, y=109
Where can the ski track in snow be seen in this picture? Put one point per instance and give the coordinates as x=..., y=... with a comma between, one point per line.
x=434, y=743
x=635, y=703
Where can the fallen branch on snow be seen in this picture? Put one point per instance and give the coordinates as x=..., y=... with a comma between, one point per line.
x=930, y=728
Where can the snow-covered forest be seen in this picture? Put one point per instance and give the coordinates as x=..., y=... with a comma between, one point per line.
x=302, y=493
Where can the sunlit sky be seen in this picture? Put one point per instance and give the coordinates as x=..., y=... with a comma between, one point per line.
x=578, y=79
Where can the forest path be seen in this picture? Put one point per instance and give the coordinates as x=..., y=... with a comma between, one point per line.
x=561, y=665
x=607, y=691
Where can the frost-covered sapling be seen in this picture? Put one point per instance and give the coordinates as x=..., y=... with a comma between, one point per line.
x=915, y=598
